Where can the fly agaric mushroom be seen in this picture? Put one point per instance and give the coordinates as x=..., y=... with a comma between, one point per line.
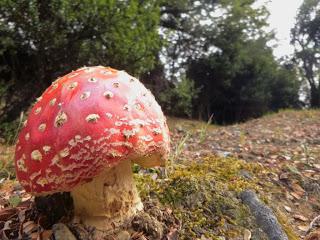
x=83, y=135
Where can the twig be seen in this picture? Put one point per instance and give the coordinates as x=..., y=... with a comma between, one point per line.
x=313, y=222
x=264, y=216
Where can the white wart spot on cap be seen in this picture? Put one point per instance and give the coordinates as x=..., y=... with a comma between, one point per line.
x=36, y=155
x=46, y=149
x=42, y=181
x=54, y=160
x=118, y=123
x=92, y=117
x=42, y=127
x=109, y=115
x=64, y=152
x=52, y=101
x=72, y=85
x=38, y=110
x=116, y=84
x=85, y=95
x=72, y=142
x=138, y=106
x=129, y=133
x=25, y=123
x=156, y=131
x=27, y=136
x=108, y=94
x=60, y=119
x=88, y=69
x=54, y=85
x=77, y=137
x=21, y=163
x=92, y=79
x=106, y=72
x=146, y=138
x=73, y=75
x=35, y=174
x=39, y=99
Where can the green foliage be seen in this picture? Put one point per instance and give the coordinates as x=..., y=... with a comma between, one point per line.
x=41, y=40
x=203, y=130
x=8, y=131
x=194, y=28
x=284, y=88
x=306, y=39
x=14, y=201
x=179, y=148
x=179, y=100
x=242, y=81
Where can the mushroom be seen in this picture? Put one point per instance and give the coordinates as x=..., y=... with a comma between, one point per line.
x=82, y=137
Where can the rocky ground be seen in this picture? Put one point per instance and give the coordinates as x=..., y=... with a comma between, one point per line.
x=198, y=195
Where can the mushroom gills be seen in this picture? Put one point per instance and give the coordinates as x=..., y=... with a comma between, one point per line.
x=109, y=200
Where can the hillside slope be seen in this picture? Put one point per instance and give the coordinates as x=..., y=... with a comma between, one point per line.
x=277, y=156
x=286, y=145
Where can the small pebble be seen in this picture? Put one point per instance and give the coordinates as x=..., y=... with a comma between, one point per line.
x=62, y=232
x=123, y=235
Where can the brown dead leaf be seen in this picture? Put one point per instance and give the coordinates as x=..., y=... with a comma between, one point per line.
x=313, y=236
x=173, y=234
x=29, y=227
x=303, y=228
x=297, y=188
x=7, y=213
x=296, y=195
x=288, y=209
x=246, y=234
x=137, y=236
x=300, y=217
x=317, y=166
x=284, y=176
x=46, y=235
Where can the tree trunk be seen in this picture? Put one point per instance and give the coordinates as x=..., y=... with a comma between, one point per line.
x=315, y=97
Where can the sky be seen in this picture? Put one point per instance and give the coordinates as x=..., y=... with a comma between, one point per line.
x=282, y=19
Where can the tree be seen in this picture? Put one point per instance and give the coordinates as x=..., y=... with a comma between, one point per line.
x=190, y=28
x=41, y=40
x=239, y=77
x=306, y=40
x=244, y=84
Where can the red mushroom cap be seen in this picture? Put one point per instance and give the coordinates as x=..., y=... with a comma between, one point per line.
x=90, y=119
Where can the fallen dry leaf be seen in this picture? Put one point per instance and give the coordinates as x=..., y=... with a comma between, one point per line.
x=303, y=228
x=300, y=217
x=246, y=234
x=288, y=209
x=313, y=236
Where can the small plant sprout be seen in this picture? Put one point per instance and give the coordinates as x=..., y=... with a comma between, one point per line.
x=203, y=131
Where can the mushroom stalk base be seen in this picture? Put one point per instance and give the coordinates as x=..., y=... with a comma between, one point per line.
x=109, y=200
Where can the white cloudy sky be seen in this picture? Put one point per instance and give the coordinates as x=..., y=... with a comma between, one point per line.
x=282, y=19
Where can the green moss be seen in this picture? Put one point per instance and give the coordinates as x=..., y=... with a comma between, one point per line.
x=204, y=195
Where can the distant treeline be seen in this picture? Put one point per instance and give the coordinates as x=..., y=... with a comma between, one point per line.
x=199, y=57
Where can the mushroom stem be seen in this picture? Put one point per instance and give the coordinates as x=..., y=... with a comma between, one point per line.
x=109, y=200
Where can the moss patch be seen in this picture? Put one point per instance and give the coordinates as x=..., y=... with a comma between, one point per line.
x=204, y=195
